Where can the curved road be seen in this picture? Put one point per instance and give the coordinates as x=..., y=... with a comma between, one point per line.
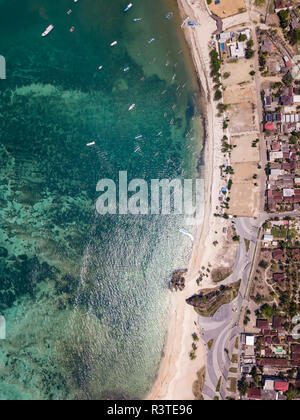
x=223, y=328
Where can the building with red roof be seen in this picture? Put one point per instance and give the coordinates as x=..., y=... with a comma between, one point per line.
x=277, y=322
x=254, y=393
x=263, y=324
x=282, y=386
x=296, y=254
x=271, y=361
x=270, y=126
x=279, y=277
x=278, y=254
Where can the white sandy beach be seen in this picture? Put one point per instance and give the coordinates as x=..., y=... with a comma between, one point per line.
x=177, y=372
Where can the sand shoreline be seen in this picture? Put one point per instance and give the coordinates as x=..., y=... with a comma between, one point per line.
x=177, y=372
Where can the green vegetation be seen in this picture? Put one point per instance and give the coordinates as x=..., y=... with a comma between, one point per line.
x=215, y=63
x=222, y=108
x=210, y=300
x=219, y=275
x=247, y=244
x=292, y=393
x=242, y=37
x=236, y=238
x=268, y=311
x=229, y=170
x=218, y=387
x=233, y=385
x=226, y=75
x=288, y=79
x=284, y=18
x=236, y=346
x=255, y=376
x=263, y=264
x=243, y=386
x=233, y=370
x=234, y=358
x=294, y=36
x=210, y=344
x=259, y=3
x=199, y=384
x=279, y=232
x=218, y=95
x=249, y=50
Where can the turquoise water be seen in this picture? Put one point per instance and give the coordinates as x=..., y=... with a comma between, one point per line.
x=85, y=296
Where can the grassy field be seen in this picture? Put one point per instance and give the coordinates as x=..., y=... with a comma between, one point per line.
x=233, y=385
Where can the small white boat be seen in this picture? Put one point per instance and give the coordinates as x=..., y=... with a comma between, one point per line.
x=69, y=11
x=126, y=69
x=131, y=107
x=127, y=8
x=91, y=144
x=137, y=19
x=151, y=40
x=72, y=29
x=138, y=137
x=100, y=67
x=48, y=30
x=114, y=43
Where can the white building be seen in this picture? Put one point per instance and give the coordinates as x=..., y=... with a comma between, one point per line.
x=288, y=192
x=249, y=340
x=269, y=385
x=238, y=50
x=275, y=173
x=268, y=238
x=275, y=155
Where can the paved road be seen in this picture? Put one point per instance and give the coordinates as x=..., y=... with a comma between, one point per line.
x=222, y=328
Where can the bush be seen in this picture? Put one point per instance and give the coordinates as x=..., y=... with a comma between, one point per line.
x=215, y=62
x=218, y=95
x=284, y=18
x=242, y=37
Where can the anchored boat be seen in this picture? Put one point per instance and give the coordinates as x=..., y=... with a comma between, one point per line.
x=127, y=8
x=48, y=30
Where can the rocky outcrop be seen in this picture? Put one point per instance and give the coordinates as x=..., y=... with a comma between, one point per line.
x=178, y=280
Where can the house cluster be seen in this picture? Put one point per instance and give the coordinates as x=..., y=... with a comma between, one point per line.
x=234, y=44
x=274, y=59
x=276, y=233
x=282, y=110
x=283, y=184
x=268, y=239
x=275, y=353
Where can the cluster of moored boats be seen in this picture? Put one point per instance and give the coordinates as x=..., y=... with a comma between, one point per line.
x=50, y=28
